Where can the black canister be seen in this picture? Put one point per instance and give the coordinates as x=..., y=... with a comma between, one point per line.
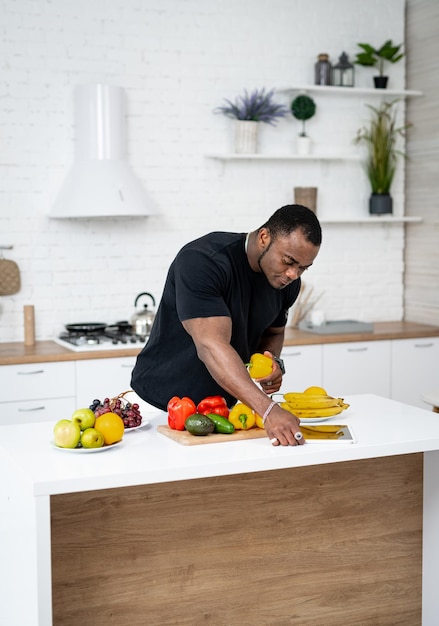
x=323, y=70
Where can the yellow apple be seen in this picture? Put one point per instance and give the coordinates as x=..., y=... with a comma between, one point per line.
x=92, y=438
x=85, y=418
x=66, y=434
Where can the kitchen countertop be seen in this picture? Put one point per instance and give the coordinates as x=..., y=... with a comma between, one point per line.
x=382, y=427
x=381, y=331
x=14, y=353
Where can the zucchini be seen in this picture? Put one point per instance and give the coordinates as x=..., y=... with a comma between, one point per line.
x=222, y=424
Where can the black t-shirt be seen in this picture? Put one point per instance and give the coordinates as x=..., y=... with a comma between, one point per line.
x=209, y=277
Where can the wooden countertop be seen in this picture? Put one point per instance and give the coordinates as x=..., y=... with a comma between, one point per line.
x=381, y=331
x=14, y=353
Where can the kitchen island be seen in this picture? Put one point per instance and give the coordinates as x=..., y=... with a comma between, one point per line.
x=153, y=532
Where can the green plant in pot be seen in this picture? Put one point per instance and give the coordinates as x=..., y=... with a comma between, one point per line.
x=248, y=111
x=378, y=57
x=380, y=137
x=303, y=108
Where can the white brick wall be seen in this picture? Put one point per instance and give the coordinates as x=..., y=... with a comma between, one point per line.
x=421, y=291
x=177, y=60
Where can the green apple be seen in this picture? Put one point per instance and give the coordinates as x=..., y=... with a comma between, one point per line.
x=84, y=417
x=92, y=438
x=66, y=434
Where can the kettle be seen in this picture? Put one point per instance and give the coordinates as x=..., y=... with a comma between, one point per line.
x=142, y=320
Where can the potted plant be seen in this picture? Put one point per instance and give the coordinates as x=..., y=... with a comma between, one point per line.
x=380, y=137
x=248, y=111
x=303, y=108
x=378, y=57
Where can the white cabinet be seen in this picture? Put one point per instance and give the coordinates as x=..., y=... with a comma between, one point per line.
x=303, y=367
x=102, y=378
x=40, y=410
x=357, y=367
x=415, y=369
x=401, y=369
x=36, y=392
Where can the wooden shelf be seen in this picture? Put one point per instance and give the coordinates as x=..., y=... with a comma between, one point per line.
x=351, y=91
x=284, y=157
x=336, y=91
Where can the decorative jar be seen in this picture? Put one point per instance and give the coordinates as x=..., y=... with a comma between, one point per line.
x=343, y=72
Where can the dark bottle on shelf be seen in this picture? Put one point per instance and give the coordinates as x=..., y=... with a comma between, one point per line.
x=323, y=70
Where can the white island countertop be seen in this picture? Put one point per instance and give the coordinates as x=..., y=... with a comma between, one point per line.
x=382, y=427
x=33, y=471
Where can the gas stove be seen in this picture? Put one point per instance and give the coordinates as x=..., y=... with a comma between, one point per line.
x=95, y=337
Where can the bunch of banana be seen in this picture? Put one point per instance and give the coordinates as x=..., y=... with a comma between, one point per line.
x=313, y=403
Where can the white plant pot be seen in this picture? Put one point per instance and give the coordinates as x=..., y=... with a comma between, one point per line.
x=246, y=136
x=303, y=145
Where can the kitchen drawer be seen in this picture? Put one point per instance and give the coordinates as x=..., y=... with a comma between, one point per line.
x=37, y=380
x=357, y=367
x=47, y=410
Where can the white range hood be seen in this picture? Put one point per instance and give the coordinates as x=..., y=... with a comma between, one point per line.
x=101, y=182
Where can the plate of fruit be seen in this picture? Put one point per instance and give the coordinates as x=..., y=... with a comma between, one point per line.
x=86, y=432
x=313, y=405
x=99, y=427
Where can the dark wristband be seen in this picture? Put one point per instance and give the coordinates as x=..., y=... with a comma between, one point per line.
x=280, y=363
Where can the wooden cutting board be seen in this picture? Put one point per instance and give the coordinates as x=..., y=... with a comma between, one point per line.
x=186, y=439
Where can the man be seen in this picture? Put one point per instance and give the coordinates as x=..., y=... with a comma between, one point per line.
x=227, y=296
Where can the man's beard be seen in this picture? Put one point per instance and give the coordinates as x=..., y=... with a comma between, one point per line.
x=261, y=256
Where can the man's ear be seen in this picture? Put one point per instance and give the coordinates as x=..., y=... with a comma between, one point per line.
x=263, y=238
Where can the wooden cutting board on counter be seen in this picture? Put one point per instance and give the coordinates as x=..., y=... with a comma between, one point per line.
x=186, y=439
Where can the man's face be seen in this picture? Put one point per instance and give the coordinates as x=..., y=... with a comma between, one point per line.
x=284, y=259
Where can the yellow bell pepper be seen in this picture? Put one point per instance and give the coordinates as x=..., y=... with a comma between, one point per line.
x=260, y=365
x=259, y=422
x=242, y=417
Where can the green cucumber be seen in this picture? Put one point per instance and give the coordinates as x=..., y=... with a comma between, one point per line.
x=222, y=424
x=199, y=425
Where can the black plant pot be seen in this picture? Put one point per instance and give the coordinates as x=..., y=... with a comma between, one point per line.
x=380, y=82
x=380, y=204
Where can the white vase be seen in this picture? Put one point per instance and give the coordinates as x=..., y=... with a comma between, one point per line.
x=303, y=145
x=246, y=136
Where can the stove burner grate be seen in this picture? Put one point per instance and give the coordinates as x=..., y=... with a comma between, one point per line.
x=95, y=335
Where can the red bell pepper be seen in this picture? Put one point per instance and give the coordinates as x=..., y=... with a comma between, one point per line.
x=178, y=410
x=213, y=404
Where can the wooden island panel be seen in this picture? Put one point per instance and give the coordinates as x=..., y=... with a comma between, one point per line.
x=333, y=545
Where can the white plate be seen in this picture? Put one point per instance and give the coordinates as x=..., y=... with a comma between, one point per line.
x=316, y=420
x=87, y=450
x=142, y=425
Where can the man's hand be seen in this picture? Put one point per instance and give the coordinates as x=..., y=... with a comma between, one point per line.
x=282, y=426
x=271, y=383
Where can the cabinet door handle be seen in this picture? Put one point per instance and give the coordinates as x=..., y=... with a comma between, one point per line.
x=37, y=408
x=126, y=365
x=358, y=349
x=286, y=354
x=423, y=345
x=30, y=373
